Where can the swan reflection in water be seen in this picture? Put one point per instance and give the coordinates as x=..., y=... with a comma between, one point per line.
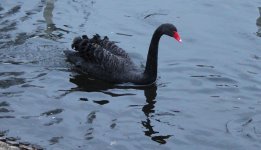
x=258, y=23
x=150, y=92
x=148, y=109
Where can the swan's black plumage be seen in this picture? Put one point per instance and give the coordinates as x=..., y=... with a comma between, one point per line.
x=104, y=60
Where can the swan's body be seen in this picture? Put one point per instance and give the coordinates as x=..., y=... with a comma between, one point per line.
x=104, y=60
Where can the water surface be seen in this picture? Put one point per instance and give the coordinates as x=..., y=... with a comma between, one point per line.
x=207, y=95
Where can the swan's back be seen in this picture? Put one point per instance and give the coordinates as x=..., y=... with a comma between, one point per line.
x=81, y=43
x=101, y=58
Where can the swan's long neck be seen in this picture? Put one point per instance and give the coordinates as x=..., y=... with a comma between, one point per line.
x=152, y=57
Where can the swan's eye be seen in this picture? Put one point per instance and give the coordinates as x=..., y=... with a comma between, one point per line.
x=176, y=36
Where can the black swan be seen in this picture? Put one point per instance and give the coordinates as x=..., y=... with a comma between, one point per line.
x=104, y=60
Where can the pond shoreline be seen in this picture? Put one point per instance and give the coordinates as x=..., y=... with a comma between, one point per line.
x=12, y=144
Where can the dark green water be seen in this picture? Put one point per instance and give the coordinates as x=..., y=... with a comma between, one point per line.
x=207, y=95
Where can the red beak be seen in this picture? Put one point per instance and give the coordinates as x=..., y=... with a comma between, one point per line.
x=176, y=36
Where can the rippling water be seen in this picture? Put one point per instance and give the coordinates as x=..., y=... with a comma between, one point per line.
x=207, y=95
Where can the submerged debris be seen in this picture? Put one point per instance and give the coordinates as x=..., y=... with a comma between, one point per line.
x=124, y=34
x=154, y=14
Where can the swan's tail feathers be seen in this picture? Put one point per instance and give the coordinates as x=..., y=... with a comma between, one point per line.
x=81, y=43
x=96, y=39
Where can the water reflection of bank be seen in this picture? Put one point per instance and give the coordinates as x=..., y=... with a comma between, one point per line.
x=258, y=23
x=51, y=27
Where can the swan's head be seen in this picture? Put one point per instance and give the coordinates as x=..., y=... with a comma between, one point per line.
x=170, y=30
